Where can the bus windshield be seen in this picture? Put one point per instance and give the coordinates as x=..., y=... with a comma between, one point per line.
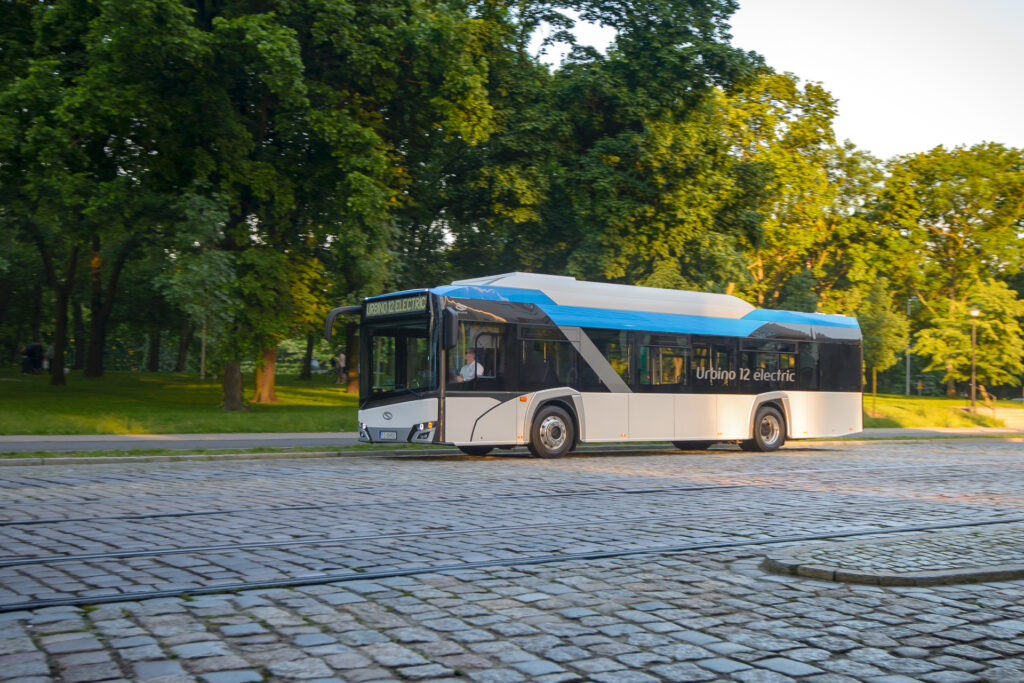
x=401, y=358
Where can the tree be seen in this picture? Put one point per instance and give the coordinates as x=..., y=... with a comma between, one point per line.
x=612, y=167
x=885, y=330
x=959, y=215
x=999, y=356
x=83, y=109
x=300, y=119
x=808, y=249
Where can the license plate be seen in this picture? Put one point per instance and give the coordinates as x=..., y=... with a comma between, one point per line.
x=391, y=436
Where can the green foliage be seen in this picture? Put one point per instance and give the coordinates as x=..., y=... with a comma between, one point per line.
x=947, y=340
x=886, y=331
x=248, y=165
x=960, y=213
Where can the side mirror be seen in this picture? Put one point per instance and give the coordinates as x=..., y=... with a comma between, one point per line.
x=449, y=328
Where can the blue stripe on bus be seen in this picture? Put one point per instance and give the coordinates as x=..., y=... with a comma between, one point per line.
x=605, y=318
x=393, y=294
x=514, y=294
x=655, y=322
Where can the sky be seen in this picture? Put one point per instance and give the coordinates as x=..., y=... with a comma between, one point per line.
x=908, y=74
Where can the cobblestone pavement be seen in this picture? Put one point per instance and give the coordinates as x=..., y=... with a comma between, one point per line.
x=696, y=615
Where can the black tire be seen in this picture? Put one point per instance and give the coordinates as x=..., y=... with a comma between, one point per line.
x=769, y=431
x=552, y=433
x=692, y=445
x=476, y=450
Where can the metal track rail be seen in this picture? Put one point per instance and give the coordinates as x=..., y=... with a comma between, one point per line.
x=341, y=540
x=509, y=562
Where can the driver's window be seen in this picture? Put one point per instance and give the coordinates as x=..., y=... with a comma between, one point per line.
x=477, y=361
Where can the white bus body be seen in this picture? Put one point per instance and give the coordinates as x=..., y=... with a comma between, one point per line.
x=553, y=361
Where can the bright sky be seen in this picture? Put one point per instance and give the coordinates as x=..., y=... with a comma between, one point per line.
x=909, y=74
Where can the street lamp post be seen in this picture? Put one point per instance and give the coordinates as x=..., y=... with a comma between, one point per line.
x=909, y=301
x=974, y=344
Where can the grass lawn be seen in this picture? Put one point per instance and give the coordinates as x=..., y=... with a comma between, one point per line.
x=918, y=411
x=165, y=403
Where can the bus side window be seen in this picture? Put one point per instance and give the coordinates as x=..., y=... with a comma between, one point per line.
x=723, y=361
x=617, y=348
x=663, y=366
x=808, y=364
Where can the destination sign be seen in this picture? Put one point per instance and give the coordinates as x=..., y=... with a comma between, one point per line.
x=407, y=304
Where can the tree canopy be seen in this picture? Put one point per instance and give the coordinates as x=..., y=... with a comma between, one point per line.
x=245, y=166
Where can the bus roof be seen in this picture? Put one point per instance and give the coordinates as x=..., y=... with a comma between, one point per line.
x=568, y=291
x=569, y=301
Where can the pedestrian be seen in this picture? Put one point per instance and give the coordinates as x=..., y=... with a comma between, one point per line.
x=48, y=357
x=34, y=353
x=342, y=367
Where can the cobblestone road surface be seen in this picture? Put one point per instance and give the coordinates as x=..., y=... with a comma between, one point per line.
x=695, y=615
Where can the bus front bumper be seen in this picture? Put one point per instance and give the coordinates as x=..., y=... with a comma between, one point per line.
x=418, y=433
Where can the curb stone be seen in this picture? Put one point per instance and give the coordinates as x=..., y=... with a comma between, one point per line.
x=935, y=558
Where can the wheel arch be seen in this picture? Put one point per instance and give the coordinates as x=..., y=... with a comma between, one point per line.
x=776, y=399
x=567, y=400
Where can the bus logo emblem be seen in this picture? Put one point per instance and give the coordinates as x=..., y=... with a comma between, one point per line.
x=388, y=415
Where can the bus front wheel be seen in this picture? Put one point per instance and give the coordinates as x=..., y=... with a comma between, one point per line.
x=552, y=434
x=769, y=431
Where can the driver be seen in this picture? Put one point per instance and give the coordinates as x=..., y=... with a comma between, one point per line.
x=471, y=370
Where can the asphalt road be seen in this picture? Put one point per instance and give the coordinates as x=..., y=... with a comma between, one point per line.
x=320, y=440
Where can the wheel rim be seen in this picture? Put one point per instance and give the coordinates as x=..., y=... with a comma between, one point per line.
x=552, y=433
x=770, y=429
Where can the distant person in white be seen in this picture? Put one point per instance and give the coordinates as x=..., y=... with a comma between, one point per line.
x=471, y=370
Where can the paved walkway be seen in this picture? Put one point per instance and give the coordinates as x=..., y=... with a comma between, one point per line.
x=114, y=442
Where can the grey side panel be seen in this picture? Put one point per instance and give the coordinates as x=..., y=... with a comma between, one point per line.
x=596, y=360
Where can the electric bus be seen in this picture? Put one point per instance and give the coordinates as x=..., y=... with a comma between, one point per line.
x=548, y=361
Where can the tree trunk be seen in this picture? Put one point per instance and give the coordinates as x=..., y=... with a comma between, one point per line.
x=352, y=356
x=307, y=360
x=62, y=292
x=101, y=304
x=184, y=341
x=950, y=384
x=37, y=312
x=97, y=322
x=202, y=356
x=265, y=377
x=874, y=392
x=60, y=334
x=153, y=354
x=232, y=386
x=79, y=328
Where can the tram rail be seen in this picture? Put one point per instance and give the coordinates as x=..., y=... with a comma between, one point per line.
x=521, y=561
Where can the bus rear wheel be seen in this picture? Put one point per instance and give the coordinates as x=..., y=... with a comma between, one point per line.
x=552, y=434
x=476, y=450
x=769, y=431
x=692, y=445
